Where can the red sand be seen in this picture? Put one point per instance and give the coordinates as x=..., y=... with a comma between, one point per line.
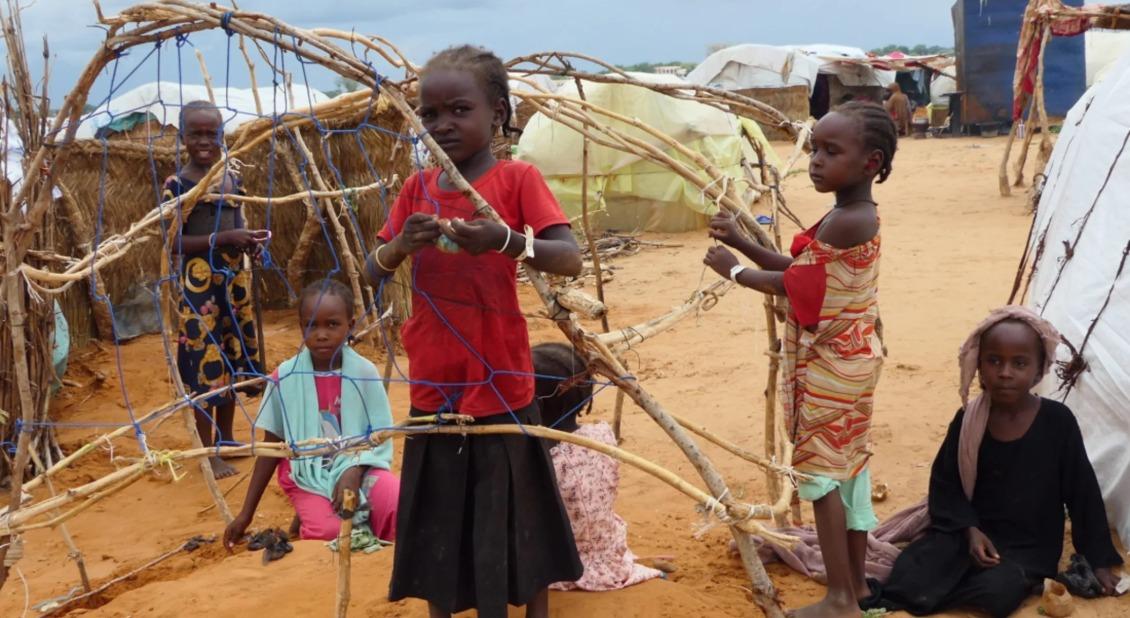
x=950, y=251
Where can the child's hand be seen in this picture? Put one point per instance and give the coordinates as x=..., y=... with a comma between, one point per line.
x=420, y=230
x=721, y=260
x=351, y=480
x=724, y=228
x=1109, y=581
x=242, y=238
x=233, y=534
x=478, y=236
x=982, y=550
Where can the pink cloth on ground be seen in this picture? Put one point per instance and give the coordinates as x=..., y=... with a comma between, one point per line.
x=319, y=521
x=588, y=482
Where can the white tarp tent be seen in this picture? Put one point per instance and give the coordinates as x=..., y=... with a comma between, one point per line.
x=1103, y=48
x=756, y=66
x=164, y=99
x=1082, y=213
x=530, y=83
x=849, y=64
x=765, y=66
x=13, y=148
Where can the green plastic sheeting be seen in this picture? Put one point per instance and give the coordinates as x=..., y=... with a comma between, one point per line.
x=627, y=193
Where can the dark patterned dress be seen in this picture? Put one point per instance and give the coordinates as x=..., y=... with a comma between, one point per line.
x=217, y=340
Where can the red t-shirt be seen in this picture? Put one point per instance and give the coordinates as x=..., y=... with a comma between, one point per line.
x=466, y=320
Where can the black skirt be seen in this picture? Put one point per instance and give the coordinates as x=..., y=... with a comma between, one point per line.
x=480, y=522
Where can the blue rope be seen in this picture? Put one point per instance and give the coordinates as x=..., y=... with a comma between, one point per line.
x=451, y=392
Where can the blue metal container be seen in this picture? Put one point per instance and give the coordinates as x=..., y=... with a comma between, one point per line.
x=985, y=37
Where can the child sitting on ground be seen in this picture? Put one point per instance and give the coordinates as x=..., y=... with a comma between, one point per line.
x=326, y=391
x=1010, y=465
x=588, y=480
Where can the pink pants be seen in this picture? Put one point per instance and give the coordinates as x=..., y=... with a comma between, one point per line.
x=319, y=521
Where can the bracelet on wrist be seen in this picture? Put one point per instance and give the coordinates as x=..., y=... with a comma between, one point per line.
x=377, y=258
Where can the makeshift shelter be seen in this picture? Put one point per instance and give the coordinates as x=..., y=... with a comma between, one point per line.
x=1076, y=263
x=1103, y=48
x=846, y=73
x=157, y=105
x=779, y=76
x=107, y=184
x=626, y=192
x=801, y=81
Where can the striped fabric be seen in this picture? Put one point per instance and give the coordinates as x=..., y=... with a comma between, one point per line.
x=831, y=360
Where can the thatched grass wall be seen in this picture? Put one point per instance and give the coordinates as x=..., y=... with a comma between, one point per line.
x=792, y=101
x=129, y=175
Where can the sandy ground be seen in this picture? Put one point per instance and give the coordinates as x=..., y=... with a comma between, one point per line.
x=950, y=251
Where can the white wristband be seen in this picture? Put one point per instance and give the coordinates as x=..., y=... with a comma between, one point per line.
x=735, y=271
x=506, y=244
x=529, y=231
x=528, y=249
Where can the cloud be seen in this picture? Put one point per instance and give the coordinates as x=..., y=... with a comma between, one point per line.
x=620, y=31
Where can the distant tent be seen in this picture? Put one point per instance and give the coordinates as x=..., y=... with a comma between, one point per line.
x=1080, y=275
x=800, y=80
x=778, y=76
x=629, y=192
x=159, y=103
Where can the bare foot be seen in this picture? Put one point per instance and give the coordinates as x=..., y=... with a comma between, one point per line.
x=862, y=592
x=222, y=469
x=828, y=608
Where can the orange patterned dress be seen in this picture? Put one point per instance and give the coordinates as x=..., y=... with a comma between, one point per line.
x=832, y=355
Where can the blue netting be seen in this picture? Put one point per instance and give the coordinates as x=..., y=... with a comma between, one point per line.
x=120, y=71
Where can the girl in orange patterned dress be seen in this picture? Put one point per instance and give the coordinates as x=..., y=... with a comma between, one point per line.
x=832, y=350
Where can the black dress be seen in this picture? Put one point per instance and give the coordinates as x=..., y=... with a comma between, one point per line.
x=1022, y=489
x=480, y=521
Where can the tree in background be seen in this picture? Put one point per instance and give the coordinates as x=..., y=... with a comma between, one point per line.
x=649, y=67
x=342, y=86
x=917, y=50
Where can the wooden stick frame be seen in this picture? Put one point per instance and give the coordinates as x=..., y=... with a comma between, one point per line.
x=152, y=22
x=1037, y=21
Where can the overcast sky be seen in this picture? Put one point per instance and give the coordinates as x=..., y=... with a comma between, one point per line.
x=620, y=31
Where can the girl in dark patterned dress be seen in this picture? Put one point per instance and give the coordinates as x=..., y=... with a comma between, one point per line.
x=217, y=342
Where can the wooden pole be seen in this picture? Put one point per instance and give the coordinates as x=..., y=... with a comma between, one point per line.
x=16, y=322
x=1002, y=174
x=74, y=553
x=207, y=77
x=344, y=550
x=586, y=225
x=184, y=17
x=348, y=261
x=772, y=482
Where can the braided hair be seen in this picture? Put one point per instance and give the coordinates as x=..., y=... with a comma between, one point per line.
x=328, y=287
x=488, y=71
x=877, y=130
x=561, y=382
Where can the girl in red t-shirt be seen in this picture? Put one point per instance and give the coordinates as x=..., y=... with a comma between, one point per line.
x=481, y=524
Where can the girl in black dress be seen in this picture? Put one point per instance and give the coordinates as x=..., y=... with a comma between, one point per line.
x=1010, y=464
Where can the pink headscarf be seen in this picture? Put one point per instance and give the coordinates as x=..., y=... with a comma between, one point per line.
x=977, y=410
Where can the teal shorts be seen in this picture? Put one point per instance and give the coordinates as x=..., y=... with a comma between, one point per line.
x=855, y=493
